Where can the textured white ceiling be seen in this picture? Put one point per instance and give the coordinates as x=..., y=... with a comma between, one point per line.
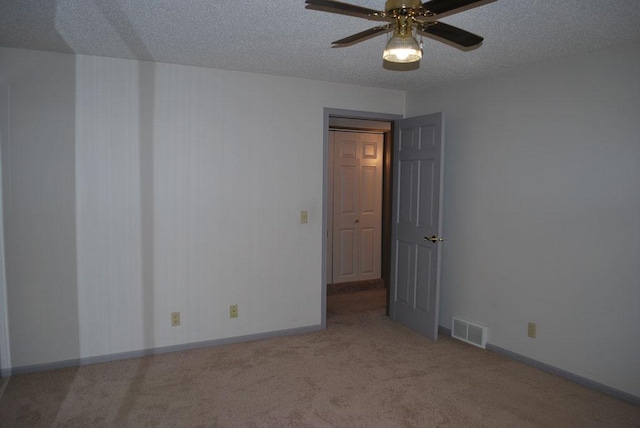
x=281, y=37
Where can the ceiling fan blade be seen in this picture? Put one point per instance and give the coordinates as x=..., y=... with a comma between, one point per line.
x=363, y=35
x=345, y=8
x=454, y=36
x=441, y=8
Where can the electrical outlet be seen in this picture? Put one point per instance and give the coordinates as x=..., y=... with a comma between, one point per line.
x=175, y=319
x=532, y=330
x=233, y=311
x=304, y=217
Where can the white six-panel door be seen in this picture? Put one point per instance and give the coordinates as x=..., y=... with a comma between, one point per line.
x=357, y=206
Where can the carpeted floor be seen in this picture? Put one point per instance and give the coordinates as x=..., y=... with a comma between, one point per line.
x=364, y=370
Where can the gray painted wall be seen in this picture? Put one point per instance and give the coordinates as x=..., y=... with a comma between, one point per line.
x=542, y=210
x=38, y=176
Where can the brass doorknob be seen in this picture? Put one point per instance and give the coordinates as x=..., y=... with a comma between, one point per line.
x=433, y=239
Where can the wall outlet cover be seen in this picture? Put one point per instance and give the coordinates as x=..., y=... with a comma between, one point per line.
x=532, y=330
x=175, y=319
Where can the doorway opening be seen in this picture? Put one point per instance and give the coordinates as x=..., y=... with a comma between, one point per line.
x=346, y=266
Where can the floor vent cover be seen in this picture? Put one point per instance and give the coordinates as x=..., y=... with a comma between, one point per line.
x=469, y=332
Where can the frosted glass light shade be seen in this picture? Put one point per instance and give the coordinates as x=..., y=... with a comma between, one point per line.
x=402, y=49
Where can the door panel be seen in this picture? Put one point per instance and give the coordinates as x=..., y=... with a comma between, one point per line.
x=404, y=274
x=405, y=192
x=369, y=188
x=415, y=262
x=347, y=243
x=347, y=195
x=427, y=204
x=424, y=272
x=367, y=248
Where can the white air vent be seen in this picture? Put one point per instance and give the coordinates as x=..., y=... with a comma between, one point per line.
x=469, y=332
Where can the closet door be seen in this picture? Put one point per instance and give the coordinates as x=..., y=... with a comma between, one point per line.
x=357, y=206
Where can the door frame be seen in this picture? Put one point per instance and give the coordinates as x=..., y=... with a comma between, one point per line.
x=5, y=350
x=387, y=180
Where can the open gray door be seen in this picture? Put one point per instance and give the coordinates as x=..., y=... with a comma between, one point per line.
x=417, y=223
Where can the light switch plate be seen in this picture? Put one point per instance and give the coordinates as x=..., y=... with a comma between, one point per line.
x=304, y=217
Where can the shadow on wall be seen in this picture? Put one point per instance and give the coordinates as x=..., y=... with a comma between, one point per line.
x=41, y=226
x=39, y=221
x=121, y=24
x=38, y=180
x=43, y=15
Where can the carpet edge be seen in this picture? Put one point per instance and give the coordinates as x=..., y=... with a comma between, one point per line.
x=8, y=372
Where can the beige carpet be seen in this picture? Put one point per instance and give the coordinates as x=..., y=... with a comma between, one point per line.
x=364, y=370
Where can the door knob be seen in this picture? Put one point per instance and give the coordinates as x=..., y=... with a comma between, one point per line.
x=357, y=221
x=433, y=239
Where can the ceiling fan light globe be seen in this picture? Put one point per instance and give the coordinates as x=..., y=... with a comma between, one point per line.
x=402, y=54
x=402, y=50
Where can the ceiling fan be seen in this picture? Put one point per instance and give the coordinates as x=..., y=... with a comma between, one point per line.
x=405, y=18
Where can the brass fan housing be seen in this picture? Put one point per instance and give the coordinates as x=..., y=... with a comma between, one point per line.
x=402, y=4
x=403, y=17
